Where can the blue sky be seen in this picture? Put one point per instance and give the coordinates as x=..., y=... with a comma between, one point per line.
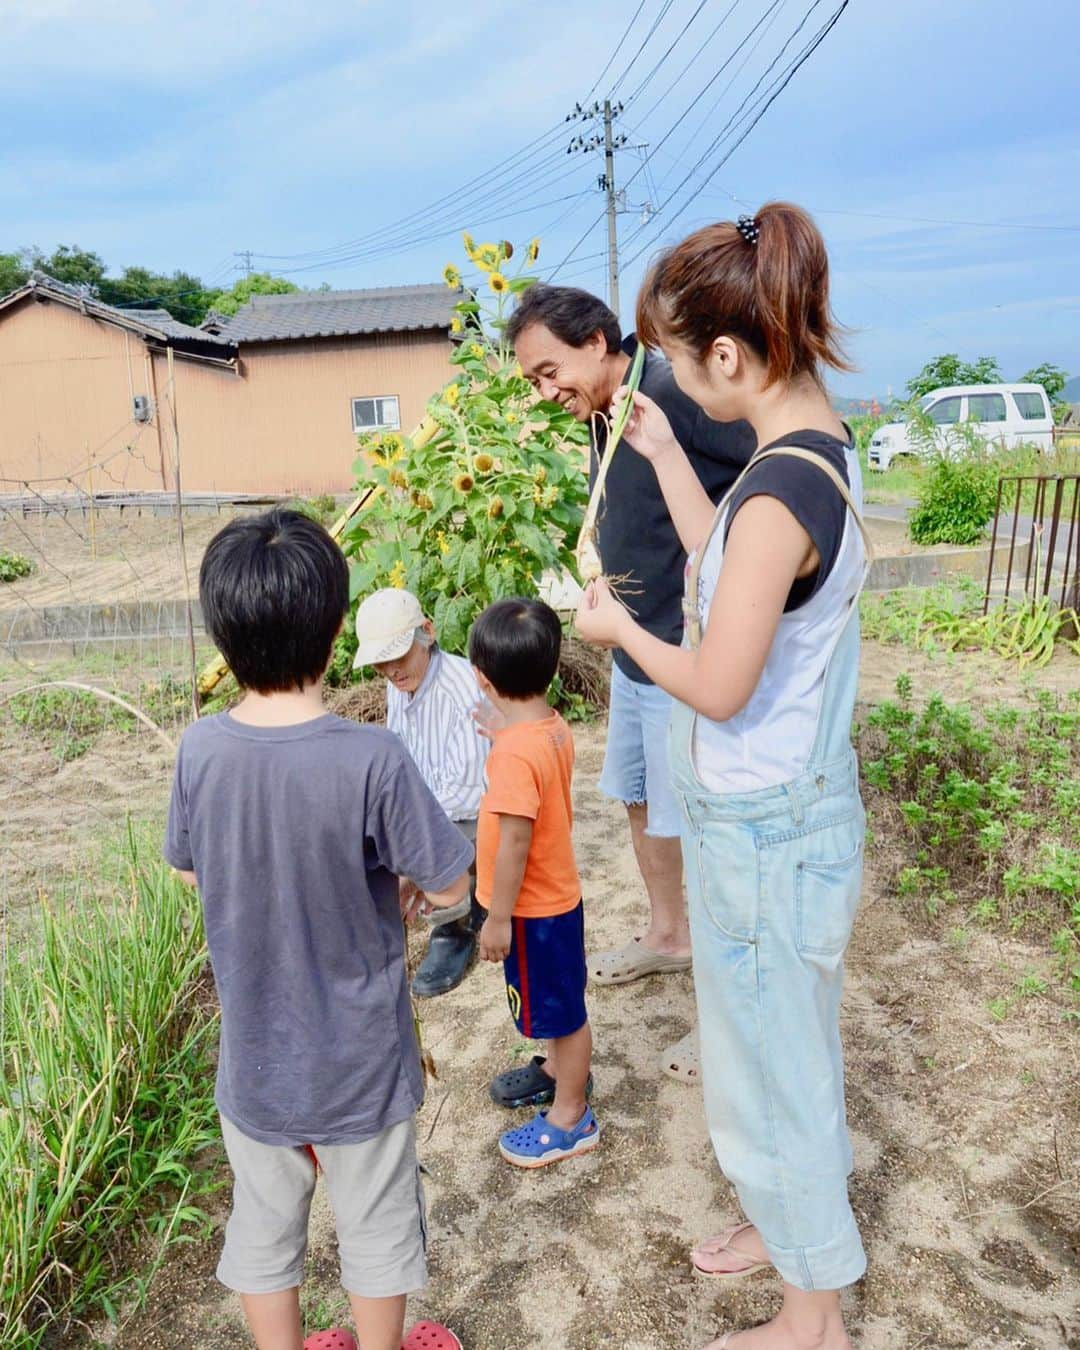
x=175, y=136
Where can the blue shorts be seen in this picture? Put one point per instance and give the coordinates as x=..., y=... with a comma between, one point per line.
x=546, y=973
x=636, y=767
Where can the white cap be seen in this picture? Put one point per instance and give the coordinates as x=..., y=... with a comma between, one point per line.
x=385, y=626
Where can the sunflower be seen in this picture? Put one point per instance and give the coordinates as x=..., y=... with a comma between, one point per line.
x=422, y=500
x=487, y=257
x=533, y=251
x=463, y=482
x=397, y=479
x=451, y=276
x=511, y=418
x=477, y=351
x=506, y=248
x=540, y=476
x=470, y=243
x=498, y=283
x=451, y=394
x=484, y=463
x=495, y=508
x=440, y=539
x=456, y=326
x=397, y=576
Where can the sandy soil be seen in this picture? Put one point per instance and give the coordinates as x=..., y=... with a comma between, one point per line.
x=966, y=1131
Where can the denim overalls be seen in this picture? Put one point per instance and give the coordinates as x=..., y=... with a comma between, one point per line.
x=773, y=880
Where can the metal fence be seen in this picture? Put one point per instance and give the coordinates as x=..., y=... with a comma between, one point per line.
x=1048, y=562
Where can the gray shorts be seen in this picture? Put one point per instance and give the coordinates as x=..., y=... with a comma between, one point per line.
x=378, y=1204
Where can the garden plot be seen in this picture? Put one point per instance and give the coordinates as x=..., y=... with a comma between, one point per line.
x=964, y=1123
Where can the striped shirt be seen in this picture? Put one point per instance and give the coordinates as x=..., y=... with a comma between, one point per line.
x=437, y=727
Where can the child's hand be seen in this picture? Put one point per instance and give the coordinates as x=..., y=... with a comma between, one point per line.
x=489, y=720
x=600, y=617
x=412, y=899
x=647, y=428
x=495, y=939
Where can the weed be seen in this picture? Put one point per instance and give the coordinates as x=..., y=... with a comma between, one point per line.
x=983, y=809
x=13, y=566
x=106, y=1095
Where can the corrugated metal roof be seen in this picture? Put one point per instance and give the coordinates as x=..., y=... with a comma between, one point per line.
x=307, y=314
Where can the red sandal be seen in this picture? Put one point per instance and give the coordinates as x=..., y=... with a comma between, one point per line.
x=430, y=1336
x=337, y=1338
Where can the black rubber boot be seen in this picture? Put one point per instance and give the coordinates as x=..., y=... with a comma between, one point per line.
x=450, y=953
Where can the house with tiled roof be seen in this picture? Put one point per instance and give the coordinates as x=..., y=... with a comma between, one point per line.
x=268, y=400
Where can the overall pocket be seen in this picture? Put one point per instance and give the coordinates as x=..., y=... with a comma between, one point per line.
x=728, y=878
x=828, y=883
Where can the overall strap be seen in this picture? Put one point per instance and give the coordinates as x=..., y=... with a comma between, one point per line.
x=691, y=609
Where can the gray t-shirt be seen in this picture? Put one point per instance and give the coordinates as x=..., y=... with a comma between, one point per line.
x=297, y=836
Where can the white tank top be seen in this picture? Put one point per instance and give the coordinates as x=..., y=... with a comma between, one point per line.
x=769, y=741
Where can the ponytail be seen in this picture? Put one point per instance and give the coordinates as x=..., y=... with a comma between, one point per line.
x=763, y=281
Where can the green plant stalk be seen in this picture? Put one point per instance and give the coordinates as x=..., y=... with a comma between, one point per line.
x=587, y=552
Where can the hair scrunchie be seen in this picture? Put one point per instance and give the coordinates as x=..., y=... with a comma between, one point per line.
x=748, y=228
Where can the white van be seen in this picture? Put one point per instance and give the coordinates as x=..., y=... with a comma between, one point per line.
x=1000, y=414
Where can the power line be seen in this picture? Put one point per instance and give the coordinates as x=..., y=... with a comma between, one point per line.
x=764, y=104
x=664, y=8
x=682, y=33
x=614, y=54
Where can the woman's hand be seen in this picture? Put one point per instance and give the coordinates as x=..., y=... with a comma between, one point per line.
x=600, y=617
x=648, y=429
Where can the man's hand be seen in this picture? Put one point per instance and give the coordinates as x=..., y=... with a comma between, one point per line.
x=495, y=939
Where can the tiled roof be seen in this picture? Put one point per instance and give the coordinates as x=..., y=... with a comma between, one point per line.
x=306, y=314
x=151, y=323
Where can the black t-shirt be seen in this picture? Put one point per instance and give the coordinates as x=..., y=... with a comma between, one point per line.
x=638, y=542
x=809, y=495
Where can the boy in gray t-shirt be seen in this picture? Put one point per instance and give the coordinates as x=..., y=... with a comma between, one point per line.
x=296, y=826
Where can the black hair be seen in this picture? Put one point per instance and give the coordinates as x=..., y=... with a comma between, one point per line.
x=515, y=644
x=572, y=315
x=274, y=589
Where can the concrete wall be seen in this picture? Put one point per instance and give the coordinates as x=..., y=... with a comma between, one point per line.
x=280, y=423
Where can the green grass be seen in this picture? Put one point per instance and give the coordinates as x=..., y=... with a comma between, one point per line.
x=106, y=1096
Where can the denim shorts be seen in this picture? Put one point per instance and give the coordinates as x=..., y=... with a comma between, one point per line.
x=636, y=758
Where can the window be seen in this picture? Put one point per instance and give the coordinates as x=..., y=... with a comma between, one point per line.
x=1031, y=406
x=376, y=414
x=945, y=412
x=986, y=407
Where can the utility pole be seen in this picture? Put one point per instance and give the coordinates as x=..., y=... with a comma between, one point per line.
x=246, y=255
x=612, y=233
x=609, y=142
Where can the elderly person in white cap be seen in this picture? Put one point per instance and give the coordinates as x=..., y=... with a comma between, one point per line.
x=430, y=699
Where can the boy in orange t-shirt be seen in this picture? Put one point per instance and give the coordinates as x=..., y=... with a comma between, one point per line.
x=527, y=879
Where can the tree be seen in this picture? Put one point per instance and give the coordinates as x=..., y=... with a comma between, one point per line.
x=14, y=270
x=258, y=283
x=182, y=294
x=947, y=370
x=72, y=265
x=1053, y=380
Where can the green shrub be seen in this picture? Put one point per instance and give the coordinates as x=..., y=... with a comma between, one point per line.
x=956, y=501
x=323, y=509
x=13, y=566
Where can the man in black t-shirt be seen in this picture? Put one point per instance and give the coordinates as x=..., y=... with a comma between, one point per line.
x=571, y=349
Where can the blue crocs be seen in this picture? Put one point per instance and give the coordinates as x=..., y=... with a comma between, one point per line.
x=538, y=1143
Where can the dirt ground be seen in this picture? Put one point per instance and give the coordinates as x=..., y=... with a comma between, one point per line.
x=966, y=1130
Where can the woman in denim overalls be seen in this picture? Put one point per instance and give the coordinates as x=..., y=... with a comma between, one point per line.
x=761, y=749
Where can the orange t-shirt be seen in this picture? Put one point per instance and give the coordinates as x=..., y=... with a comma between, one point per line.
x=528, y=774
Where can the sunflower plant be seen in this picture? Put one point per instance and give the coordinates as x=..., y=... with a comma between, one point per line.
x=494, y=499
